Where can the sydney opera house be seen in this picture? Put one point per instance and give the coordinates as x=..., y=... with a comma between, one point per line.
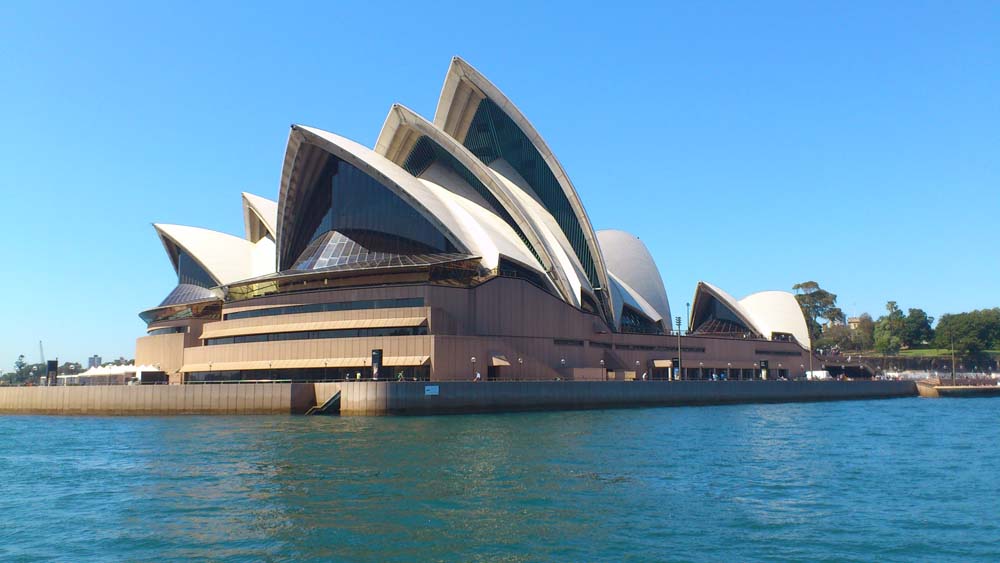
x=456, y=246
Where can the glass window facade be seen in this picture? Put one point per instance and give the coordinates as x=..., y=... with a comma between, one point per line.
x=326, y=307
x=390, y=373
x=318, y=334
x=717, y=318
x=509, y=269
x=492, y=135
x=190, y=271
x=372, y=217
x=426, y=152
x=637, y=323
x=167, y=330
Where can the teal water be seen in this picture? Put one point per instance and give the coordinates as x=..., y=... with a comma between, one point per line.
x=899, y=480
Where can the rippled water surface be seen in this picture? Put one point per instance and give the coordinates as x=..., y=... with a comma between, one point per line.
x=899, y=480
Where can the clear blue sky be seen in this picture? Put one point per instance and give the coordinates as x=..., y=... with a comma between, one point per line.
x=753, y=146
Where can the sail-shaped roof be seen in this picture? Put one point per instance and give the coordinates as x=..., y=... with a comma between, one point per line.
x=764, y=314
x=476, y=113
x=224, y=258
x=260, y=217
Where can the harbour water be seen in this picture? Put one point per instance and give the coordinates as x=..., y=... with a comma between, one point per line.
x=894, y=480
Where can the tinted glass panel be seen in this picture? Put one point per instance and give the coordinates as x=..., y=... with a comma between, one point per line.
x=324, y=307
x=427, y=152
x=342, y=198
x=190, y=272
x=492, y=135
x=319, y=334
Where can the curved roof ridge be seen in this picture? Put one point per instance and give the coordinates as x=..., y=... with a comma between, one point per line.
x=262, y=211
x=629, y=260
x=400, y=133
x=778, y=311
x=418, y=196
x=225, y=257
x=727, y=299
x=644, y=306
x=455, y=110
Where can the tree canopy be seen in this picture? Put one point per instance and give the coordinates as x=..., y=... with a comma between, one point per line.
x=817, y=303
x=971, y=333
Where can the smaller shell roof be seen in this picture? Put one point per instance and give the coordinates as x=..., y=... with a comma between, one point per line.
x=778, y=311
x=225, y=257
x=386, y=172
x=259, y=212
x=765, y=312
x=629, y=260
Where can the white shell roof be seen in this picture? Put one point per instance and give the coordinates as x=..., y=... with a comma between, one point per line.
x=418, y=195
x=262, y=211
x=401, y=129
x=629, y=260
x=635, y=299
x=777, y=311
x=492, y=237
x=463, y=88
x=765, y=312
x=225, y=257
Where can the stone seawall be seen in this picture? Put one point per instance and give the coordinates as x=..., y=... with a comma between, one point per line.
x=265, y=398
x=379, y=398
x=373, y=398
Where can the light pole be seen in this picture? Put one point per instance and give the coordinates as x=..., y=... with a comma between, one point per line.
x=680, y=360
x=952, y=335
x=604, y=371
x=729, y=369
x=701, y=370
x=520, y=368
x=688, y=320
x=473, y=360
x=753, y=372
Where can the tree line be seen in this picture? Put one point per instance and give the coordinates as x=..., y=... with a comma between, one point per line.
x=972, y=333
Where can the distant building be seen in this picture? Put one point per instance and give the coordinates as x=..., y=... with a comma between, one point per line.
x=94, y=361
x=854, y=322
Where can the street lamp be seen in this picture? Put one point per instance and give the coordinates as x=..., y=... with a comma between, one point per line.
x=701, y=370
x=688, y=321
x=604, y=371
x=753, y=372
x=680, y=361
x=473, y=360
x=520, y=368
x=729, y=369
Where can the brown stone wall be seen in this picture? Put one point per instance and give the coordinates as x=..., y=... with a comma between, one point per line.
x=270, y=398
x=163, y=350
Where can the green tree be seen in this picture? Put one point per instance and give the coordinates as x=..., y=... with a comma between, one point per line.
x=889, y=330
x=836, y=336
x=917, y=328
x=864, y=335
x=971, y=332
x=21, y=368
x=817, y=303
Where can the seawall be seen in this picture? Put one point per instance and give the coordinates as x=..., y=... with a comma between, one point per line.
x=374, y=398
x=379, y=398
x=265, y=398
